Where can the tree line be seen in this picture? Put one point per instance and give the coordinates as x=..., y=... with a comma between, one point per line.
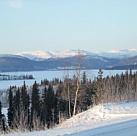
x=47, y=104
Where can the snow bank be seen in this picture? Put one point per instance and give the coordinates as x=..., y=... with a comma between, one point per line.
x=98, y=116
x=102, y=113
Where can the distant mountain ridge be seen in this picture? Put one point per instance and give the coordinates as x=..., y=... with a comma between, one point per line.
x=42, y=55
x=125, y=53
x=36, y=61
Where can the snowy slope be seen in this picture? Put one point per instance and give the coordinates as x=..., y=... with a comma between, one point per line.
x=102, y=114
x=125, y=53
x=102, y=120
x=41, y=55
x=36, y=55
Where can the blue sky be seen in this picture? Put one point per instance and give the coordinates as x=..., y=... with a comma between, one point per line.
x=93, y=25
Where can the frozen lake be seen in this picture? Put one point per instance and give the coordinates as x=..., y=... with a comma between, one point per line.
x=41, y=75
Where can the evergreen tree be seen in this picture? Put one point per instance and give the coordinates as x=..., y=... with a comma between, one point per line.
x=84, y=78
x=0, y=108
x=50, y=105
x=2, y=119
x=35, y=104
x=56, y=110
x=25, y=102
x=93, y=94
x=100, y=74
x=16, y=109
x=44, y=107
x=0, y=115
x=10, y=109
x=100, y=85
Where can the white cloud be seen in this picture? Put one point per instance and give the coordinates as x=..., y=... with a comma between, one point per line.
x=15, y=3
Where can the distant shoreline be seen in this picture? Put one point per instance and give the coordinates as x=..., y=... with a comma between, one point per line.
x=6, y=77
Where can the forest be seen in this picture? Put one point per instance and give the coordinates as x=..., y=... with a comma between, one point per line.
x=45, y=105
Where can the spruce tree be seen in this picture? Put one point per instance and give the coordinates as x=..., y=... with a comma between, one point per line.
x=84, y=78
x=50, y=105
x=35, y=103
x=100, y=85
x=0, y=108
x=56, y=110
x=10, y=109
x=25, y=101
x=44, y=107
x=16, y=109
x=24, y=95
x=2, y=119
x=0, y=115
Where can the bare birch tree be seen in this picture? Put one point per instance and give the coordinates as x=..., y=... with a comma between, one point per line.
x=78, y=79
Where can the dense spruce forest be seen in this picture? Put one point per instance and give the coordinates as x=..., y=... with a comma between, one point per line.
x=49, y=103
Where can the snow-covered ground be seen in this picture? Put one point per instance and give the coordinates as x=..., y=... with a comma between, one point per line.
x=102, y=120
x=5, y=111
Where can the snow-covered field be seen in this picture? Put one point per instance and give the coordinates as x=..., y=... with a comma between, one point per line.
x=102, y=120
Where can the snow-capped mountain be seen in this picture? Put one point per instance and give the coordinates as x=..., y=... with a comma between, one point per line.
x=36, y=55
x=43, y=60
x=42, y=55
x=124, y=53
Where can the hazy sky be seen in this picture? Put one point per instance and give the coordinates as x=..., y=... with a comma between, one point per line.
x=93, y=25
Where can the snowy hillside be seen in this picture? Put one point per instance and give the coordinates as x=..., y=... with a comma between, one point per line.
x=125, y=53
x=109, y=119
x=101, y=113
x=36, y=55
x=41, y=55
